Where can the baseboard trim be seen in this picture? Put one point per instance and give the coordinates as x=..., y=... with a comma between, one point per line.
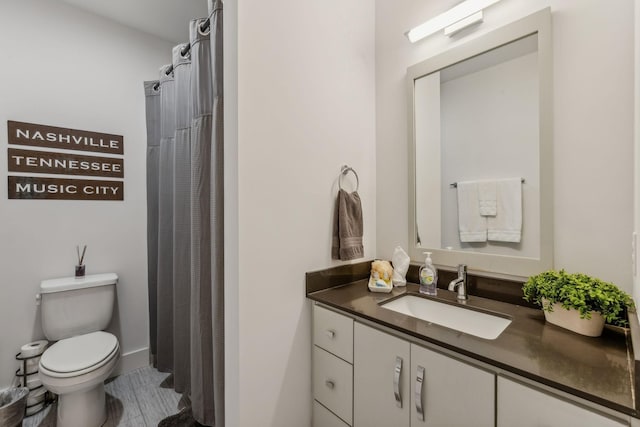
x=131, y=361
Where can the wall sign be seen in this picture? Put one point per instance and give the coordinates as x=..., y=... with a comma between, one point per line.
x=44, y=160
x=31, y=187
x=67, y=139
x=64, y=163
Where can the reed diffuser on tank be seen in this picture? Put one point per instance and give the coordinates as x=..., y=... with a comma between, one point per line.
x=80, y=267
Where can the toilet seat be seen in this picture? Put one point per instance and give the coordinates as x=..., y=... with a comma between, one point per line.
x=79, y=355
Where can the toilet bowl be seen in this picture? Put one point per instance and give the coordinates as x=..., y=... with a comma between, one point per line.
x=75, y=369
x=74, y=312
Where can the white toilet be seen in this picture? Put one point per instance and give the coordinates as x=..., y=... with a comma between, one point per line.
x=74, y=313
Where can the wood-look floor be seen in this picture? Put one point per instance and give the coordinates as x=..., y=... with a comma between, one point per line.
x=137, y=399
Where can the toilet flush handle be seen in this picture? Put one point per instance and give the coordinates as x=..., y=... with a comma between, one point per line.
x=37, y=299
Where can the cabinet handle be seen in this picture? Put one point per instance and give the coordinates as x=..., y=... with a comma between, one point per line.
x=330, y=384
x=396, y=381
x=418, y=393
x=331, y=333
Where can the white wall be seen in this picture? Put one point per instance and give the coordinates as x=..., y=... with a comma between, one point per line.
x=305, y=107
x=593, y=124
x=67, y=68
x=231, y=226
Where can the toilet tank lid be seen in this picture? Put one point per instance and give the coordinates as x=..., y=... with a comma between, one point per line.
x=71, y=283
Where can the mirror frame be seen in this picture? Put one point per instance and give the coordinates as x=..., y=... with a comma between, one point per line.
x=494, y=265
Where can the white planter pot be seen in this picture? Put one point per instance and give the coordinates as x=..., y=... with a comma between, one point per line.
x=570, y=319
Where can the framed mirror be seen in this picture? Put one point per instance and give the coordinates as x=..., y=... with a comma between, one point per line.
x=480, y=164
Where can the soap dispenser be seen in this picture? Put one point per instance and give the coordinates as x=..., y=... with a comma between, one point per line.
x=428, y=277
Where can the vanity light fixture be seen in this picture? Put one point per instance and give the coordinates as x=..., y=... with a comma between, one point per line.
x=455, y=19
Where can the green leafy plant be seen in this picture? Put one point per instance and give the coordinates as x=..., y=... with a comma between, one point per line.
x=578, y=291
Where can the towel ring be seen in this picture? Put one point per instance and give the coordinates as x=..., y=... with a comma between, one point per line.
x=345, y=170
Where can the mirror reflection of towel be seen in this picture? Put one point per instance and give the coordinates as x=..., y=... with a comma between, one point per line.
x=506, y=226
x=471, y=225
x=347, y=227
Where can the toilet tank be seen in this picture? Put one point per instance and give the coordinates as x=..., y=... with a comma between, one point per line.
x=73, y=306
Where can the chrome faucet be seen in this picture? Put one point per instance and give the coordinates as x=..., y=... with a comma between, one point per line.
x=460, y=283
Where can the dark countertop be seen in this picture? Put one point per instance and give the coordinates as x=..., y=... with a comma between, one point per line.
x=597, y=369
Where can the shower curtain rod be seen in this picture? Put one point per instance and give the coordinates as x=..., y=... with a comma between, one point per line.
x=204, y=28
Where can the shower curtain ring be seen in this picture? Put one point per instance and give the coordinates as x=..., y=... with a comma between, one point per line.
x=185, y=51
x=206, y=30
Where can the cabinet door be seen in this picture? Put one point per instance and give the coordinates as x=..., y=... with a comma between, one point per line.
x=523, y=406
x=380, y=379
x=322, y=417
x=449, y=392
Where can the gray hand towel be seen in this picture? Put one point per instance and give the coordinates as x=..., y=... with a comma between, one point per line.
x=347, y=227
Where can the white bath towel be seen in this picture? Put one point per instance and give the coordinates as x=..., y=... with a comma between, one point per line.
x=471, y=225
x=487, y=197
x=506, y=226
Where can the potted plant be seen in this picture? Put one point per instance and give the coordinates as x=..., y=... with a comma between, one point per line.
x=577, y=302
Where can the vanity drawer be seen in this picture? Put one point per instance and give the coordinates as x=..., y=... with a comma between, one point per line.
x=333, y=332
x=333, y=383
x=322, y=417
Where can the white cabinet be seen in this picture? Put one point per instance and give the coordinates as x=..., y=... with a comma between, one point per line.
x=448, y=392
x=332, y=375
x=524, y=406
x=363, y=377
x=380, y=379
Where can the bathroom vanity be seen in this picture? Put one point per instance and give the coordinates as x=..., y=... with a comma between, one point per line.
x=376, y=367
x=480, y=110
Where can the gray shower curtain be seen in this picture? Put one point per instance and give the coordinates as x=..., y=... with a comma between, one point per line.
x=152, y=106
x=185, y=203
x=164, y=298
x=182, y=223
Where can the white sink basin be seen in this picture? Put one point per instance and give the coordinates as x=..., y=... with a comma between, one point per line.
x=461, y=319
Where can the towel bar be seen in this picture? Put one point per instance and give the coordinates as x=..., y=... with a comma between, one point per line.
x=455, y=184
